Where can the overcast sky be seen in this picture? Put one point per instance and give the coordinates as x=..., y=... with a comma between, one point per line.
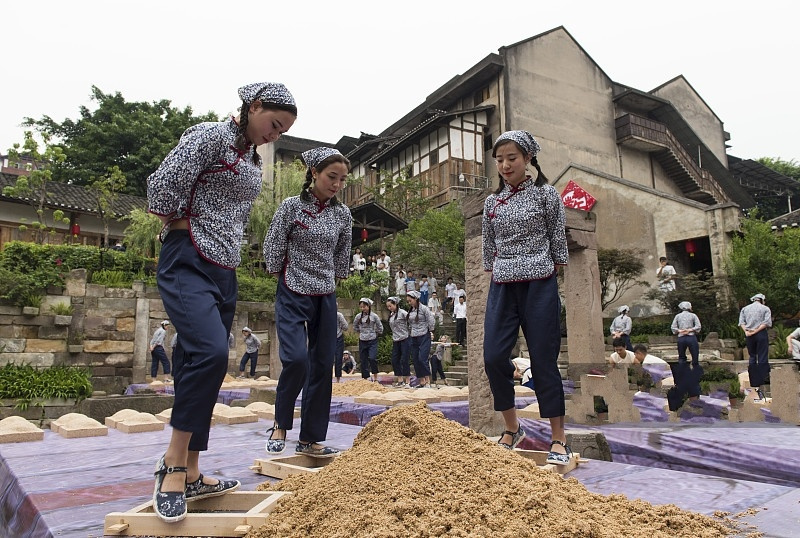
x=361, y=65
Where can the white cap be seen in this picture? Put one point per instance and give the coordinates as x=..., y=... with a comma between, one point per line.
x=366, y=300
x=758, y=296
x=164, y=323
x=414, y=293
x=246, y=329
x=623, y=308
x=685, y=305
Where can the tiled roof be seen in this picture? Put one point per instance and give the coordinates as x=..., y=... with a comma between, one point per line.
x=74, y=198
x=791, y=220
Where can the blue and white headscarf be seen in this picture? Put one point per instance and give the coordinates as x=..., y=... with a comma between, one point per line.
x=313, y=157
x=523, y=138
x=266, y=92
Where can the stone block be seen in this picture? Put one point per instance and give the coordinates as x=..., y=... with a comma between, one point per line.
x=7, y=310
x=99, y=371
x=259, y=394
x=47, y=332
x=115, y=384
x=120, y=293
x=12, y=345
x=37, y=360
x=62, y=321
x=119, y=360
x=121, y=336
x=93, y=322
x=30, y=311
x=117, y=307
x=95, y=290
x=107, y=346
x=75, y=283
x=35, y=345
x=126, y=324
x=100, y=408
x=589, y=444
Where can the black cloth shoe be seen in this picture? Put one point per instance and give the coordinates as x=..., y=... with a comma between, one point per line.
x=516, y=438
x=199, y=490
x=170, y=506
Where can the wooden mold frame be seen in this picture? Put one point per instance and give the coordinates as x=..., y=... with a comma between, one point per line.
x=233, y=514
x=283, y=467
x=539, y=457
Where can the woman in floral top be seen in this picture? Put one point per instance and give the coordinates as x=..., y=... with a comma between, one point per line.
x=524, y=240
x=308, y=248
x=203, y=193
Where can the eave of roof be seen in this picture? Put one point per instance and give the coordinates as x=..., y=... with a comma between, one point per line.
x=73, y=198
x=422, y=128
x=751, y=170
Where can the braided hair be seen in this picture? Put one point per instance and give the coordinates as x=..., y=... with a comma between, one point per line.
x=241, y=142
x=305, y=191
x=541, y=179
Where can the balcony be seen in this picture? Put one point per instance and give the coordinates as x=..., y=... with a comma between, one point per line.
x=653, y=137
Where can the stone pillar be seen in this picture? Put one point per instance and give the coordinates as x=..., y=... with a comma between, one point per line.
x=141, y=340
x=581, y=290
x=482, y=416
x=275, y=365
x=582, y=295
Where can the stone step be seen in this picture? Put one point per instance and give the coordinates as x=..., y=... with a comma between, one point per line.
x=462, y=369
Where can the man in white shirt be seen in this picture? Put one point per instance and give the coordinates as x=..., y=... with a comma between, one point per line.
x=666, y=275
x=621, y=356
x=460, y=313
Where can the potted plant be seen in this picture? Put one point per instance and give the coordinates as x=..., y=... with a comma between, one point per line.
x=32, y=304
x=63, y=314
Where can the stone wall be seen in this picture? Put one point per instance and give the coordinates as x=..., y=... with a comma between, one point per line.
x=109, y=331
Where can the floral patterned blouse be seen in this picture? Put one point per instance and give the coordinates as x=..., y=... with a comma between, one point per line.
x=524, y=235
x=213, y=184
x=309, y=242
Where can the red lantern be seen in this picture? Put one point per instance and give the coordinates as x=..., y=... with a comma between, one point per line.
x=691, y=248
x=364, y=234
x=76, y=229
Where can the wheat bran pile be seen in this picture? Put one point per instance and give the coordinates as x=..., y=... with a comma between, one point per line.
x=413, y=473
x=357, y=388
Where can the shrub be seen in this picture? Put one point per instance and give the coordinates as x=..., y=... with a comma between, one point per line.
x=112, y=279
x=62, y=309
x=24, y=383
x=350, y=339
x=718, y=375
x=256, y=288
x=385, y=349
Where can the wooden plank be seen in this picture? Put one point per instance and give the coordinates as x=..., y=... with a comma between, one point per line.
x=539, y=457
x=233, y=514
x=283, y=467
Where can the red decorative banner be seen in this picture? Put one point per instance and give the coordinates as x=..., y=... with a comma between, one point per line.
x=577, y=198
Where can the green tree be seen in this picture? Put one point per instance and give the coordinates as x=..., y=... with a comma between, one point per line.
x=141, y=235
x=774, y=205
x=763, y=261
x=401, y=194
x=434, y=242
x=289, y=179
x=134, y=136
x=619, y=269
x=105, y=192
x=33, y=187
x=702, y=290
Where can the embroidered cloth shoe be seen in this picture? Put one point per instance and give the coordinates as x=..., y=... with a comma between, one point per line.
x=311, y=450
x=559, y=459
x=199, y=490
x=275, y=446
x=516, y=438
x=169, y=506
